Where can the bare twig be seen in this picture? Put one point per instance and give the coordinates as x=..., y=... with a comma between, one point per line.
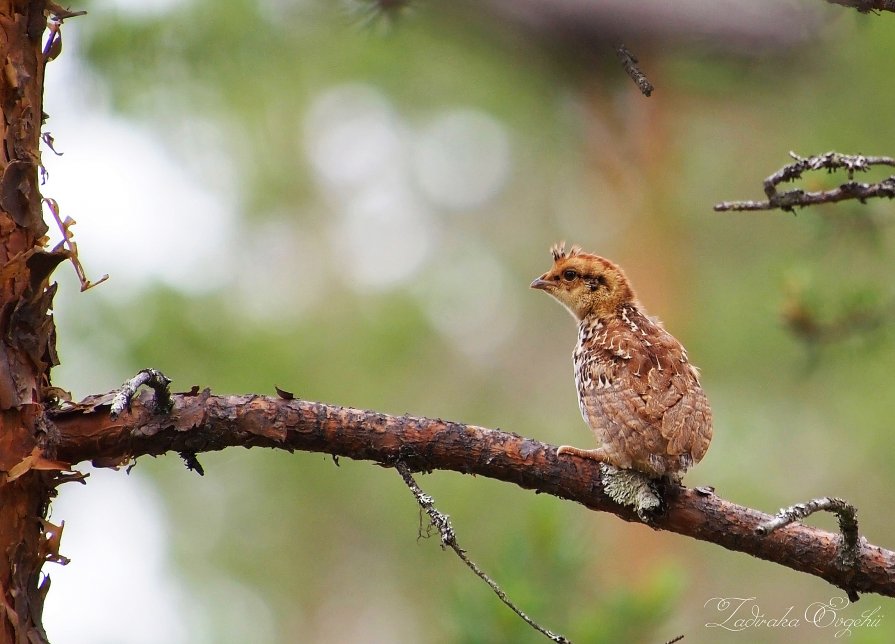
x=56, y=15
x=442, y=523
x=867, y=6
x=158, y=382
x=200, y=422
x=629, y=62
x=65, y=229
x=847, y=514
x=830, y=161
x=49, y=141
x=192, y=463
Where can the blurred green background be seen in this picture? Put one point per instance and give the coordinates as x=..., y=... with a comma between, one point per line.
x=351, y=207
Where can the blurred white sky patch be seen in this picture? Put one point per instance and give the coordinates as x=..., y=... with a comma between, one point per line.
x=382, y=233
x=462, y=159
x=467, y=298
x=276, y=270
x=357, y=145
x=118, y=587
x=387, y=182
x=141, y=216
x=352, y=136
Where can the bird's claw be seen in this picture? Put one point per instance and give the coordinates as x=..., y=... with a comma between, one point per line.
x=599, y=454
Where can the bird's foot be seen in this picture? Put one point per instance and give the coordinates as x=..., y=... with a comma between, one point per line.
x=633, y=489
x=598, y=454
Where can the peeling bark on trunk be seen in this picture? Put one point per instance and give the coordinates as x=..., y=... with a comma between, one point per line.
x=27, y=332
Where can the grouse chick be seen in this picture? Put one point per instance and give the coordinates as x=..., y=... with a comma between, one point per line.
x=637, y=390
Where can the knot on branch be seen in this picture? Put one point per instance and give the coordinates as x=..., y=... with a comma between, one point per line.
x=152, y=378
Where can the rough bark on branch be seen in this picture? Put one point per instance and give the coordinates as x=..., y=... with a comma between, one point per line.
x=201, y=422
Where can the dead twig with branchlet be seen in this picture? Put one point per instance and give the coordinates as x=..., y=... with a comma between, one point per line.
x=846, y=514
x=831, y=161
x=442, y=523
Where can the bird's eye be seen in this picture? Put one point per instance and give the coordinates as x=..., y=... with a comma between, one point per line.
x=569, y=274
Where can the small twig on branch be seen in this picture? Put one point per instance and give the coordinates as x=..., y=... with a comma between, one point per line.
x=629, y=62
x=192, y=463
x=49, y=141
x=56, y=15
x=847, y=514
x=830, y=161
x=65, y=229
x=867, y=6
x=158, y=382
x=442, y=523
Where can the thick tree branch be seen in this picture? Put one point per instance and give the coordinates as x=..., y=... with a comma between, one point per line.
x=200, y=422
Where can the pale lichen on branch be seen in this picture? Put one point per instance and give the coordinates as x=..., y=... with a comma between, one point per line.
x=158, y=382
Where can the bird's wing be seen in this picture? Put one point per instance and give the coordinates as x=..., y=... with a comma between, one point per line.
x=649, y=392
x=614, y=396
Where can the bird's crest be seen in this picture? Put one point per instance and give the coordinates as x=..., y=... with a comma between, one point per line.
x=559, y=251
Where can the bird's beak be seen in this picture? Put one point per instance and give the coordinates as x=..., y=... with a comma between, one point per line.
x=541, y=284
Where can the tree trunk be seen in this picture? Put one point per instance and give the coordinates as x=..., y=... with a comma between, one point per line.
x=27, y=331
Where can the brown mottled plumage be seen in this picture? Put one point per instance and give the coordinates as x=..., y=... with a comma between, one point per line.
x=637, y=390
